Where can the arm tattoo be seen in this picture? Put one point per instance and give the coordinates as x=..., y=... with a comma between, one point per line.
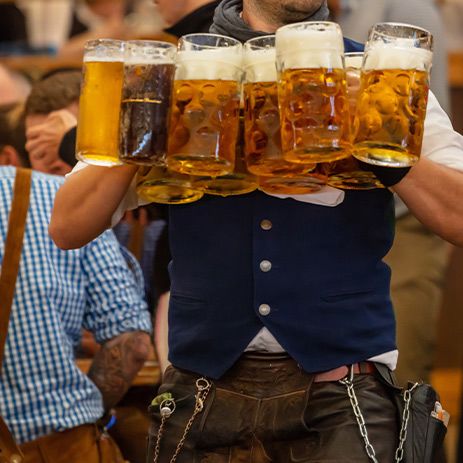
x=117, y=363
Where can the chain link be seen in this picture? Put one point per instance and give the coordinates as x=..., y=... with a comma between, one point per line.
x=167, y=408
x=399, y=454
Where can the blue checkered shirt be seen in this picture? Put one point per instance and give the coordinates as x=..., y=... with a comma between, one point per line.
x=57, y=294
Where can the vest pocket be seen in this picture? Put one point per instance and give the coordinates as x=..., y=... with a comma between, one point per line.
x=346, y=294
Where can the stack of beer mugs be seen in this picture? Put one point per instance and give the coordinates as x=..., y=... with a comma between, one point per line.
x=285, y=113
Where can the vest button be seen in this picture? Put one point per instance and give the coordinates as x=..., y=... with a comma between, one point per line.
x=266, y=266
x=264, y=310
x=266, y=225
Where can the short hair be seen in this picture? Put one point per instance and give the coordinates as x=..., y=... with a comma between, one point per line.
x=13, y=130
x=53, y=93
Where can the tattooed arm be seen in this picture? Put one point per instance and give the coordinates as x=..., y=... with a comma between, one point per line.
x=117, y=363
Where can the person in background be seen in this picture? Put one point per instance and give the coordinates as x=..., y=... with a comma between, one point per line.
x=14, y=87
x=452, y=13
x=418, y=258
x=52, y=110
x=186, y=16
x=55, y=411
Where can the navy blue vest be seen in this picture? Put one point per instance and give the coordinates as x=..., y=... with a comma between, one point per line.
x=325, y=297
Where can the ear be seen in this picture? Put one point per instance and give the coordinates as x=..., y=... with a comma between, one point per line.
x=9, y=157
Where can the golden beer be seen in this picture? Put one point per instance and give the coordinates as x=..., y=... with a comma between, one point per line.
x=205, y=105
x=346, y=174
x=315, y=124
x=158, y=185
x=262, y=140
x=238, y=182
x=262, y=133
x=204, y=127
x=305, y=184
x=391, y=107
x=100, y=102
x=390, y=116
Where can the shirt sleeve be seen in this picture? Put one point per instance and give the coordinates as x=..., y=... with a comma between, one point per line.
x=441, y=143
x=115, y=302
x=130, y=201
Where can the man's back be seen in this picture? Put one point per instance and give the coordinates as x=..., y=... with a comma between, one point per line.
x=57, y=294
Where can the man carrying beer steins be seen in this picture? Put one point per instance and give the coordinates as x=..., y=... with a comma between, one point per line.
x=281, y=329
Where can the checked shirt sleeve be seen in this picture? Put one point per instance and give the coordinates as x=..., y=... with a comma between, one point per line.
x=115, y=302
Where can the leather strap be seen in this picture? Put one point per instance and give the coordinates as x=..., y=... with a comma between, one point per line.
x=12, y=253
x=361, y=368
x=9, y=451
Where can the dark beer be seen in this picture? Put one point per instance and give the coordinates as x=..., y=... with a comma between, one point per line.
x=145, y=113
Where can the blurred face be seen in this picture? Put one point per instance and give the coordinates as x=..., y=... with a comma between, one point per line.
x=9, y=90
x=58, y=167
x=172, y=11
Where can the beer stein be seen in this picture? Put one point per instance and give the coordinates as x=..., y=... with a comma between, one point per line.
x=347, y=174
x=100, y=103
x=159, y=185
x=238, y=182
x=315, y=126
x=205, y=105
x=262, y=139
x=393, y=97
x=146, y=97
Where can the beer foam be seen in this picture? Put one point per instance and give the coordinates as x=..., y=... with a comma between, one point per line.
x=90, y=58
x=214, y=64
x=260, y=65
x=381, y=57
x=298, y=49
x=143, y=61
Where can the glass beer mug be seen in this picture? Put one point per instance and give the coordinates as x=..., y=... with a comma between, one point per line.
x=159, y=185
x=205, y=108
x=393, y=95
x=315, y=125
x=146, y=95
x=347, y=174
x=100, y=103
x=262, y=135
x=238, y=182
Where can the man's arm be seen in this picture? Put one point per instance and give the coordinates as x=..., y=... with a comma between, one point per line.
x=117, y=363
x=434, y=194
x=86, y=202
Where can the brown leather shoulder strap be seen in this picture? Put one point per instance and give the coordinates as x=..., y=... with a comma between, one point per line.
x=13, y=247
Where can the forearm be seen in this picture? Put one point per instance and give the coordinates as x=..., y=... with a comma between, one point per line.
x=434, y=193
x=161, y=331
x=117, y=363
x=86, y=202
